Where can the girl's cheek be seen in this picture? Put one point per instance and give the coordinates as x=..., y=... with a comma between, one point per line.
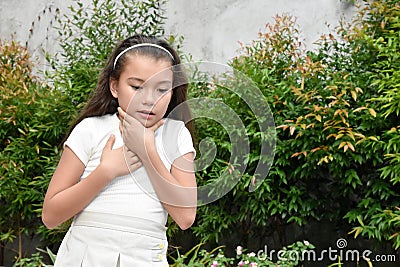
x=166, y=98
x=131, y=99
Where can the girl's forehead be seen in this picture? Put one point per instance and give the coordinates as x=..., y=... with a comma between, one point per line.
x=145, y=67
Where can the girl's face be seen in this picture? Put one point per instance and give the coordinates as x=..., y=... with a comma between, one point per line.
x=144, y=88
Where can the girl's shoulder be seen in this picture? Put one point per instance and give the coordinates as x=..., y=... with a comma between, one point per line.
x=96, y=125
x=97, y=121
x=171, y=126
x=174, y=122
x=172, y=129
x=174, y=139
x=86, y=136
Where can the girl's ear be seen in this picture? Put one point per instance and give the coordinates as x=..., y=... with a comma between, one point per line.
x=114, y=87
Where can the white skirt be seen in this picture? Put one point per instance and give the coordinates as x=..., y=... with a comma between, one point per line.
x=108, y=240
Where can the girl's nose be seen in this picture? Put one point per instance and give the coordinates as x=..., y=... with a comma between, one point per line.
x=148, y=97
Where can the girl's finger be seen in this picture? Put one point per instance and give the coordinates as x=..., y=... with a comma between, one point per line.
x=133, y=162
x=135, y=166
x=135, y=159
x=110, y=142
x=157, y=125
x=121, y=113
x=127, y=120
x=121, y=127
x=124, y=117
x=132, y=159
x=129, y=153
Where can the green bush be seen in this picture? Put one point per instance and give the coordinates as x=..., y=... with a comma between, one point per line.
x=336, y=112
x=32, y=123
x=378, y=214
x=89, y=34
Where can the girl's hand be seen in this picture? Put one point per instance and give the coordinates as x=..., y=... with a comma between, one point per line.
x=137, y=137
x=117, y=163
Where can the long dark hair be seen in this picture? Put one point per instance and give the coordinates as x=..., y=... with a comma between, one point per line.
x=101, y=101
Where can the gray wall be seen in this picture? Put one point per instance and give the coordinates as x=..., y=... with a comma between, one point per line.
x=212, y=29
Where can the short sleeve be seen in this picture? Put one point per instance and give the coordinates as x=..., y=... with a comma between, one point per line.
x=185, y=142
x=79, y=141
x=175, y=141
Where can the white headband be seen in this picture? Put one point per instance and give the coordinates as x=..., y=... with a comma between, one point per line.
x=140, y=45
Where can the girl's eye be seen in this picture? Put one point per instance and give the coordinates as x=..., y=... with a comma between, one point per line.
x=163, y=91
x=136, y=87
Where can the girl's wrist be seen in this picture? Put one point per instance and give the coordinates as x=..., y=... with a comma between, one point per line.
x=106, y=172
x=149, y=140
x=149, y=148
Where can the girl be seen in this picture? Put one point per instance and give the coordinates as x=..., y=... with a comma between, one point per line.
x=121, y=180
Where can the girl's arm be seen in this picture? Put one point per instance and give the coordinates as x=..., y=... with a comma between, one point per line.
x=176, y=189
x=66, y=196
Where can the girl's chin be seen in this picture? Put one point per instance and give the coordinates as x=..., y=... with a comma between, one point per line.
x=146, y=122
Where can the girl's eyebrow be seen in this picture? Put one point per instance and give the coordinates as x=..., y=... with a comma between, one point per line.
x=136, y=79
x=166, y=81
x=142, y=81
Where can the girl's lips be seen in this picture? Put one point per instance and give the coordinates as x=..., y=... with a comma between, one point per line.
x=146, y=115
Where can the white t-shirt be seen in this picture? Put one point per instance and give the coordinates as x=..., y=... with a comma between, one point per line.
x=133, y=194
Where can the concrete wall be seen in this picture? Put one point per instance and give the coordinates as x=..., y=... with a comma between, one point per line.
x=212, y=29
